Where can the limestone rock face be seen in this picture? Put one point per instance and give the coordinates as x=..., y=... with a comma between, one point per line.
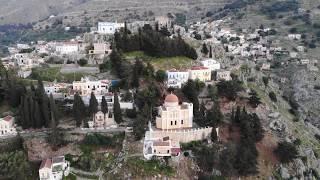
x=299, y=167
x=284, y=172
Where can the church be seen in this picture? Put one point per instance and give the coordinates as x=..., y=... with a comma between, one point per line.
x=174, y=125
x=172, y=115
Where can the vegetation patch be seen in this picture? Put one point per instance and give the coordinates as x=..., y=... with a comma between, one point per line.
x=53, y=73
x=98, y=140
x=149, y=168
x=164, y=63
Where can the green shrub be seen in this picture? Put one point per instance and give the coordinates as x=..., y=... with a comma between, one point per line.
x=286, y=152
x=82, y=62
x=273, y=96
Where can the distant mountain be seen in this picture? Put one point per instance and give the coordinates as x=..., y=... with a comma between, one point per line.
x=29, y=11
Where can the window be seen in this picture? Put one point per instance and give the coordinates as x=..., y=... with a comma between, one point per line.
x=168, y=151
x=181, y=121
x=175, y=122
x=171, y=123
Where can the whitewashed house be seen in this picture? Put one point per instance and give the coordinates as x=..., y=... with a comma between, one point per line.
x=54, y=168
x=304, y=61
x=294, y=36
x=86, y=86
x=176, y=78
x=58, y=90
x=100, y=49
x=160, y=147
x=22, y=46
x=163, y=21
x=223, y=75
x=212, y=64
x=7, y=126
x=109, y=27
x=67, y=48
x=25, y=61
x=265, y=66
x=201, y=73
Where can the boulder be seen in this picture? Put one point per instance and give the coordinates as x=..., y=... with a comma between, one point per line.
x=284, y=173
x=278, y=125
x=274, y=115
x=299, y=167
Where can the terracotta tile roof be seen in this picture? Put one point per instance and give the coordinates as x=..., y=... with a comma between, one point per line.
x=198, y=68
x=175, y=150
x=8, y=118
x=46, y=163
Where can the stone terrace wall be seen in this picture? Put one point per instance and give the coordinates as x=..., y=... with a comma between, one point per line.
x=183, y=136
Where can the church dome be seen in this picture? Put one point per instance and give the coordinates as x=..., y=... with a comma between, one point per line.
x=171, y=98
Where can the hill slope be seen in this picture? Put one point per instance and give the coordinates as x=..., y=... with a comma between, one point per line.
x=28, y=11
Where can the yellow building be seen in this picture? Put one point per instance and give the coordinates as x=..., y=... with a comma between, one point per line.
x=173, y=115
x=201, y=73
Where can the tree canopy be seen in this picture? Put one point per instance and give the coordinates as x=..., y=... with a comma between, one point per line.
x=154, y=43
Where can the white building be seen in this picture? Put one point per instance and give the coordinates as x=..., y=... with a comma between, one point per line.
x=163, y=21
x=172, y=115
x=304, y=61
x=100, y=49
x=294, y=36
x=54, y=168
x=86, y=86
x=58, y=90
x=24, y=73
x=67, y=48
x=212, y=64
x=265, y=66
x=201, y=73
x=23, y=46
x=7, y=126
x=109, y=27
x=25, y=61
x=173, y=126
x=176, y=78
x=160, y=147
x=223, y=75
x=103, y=121
x=110, y=100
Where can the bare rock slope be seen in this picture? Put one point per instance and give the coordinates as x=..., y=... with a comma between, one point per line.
x=28, y=11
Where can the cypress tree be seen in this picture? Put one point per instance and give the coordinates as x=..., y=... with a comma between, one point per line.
x=78, y=110
x=214, y=136
x=204, y=49
x=237, y=115
x=22, y=117
x=104, y=105
x=45, y=113
x=93, y=105
x=55, y=137
x=37, y=115
x=31, y=111
x=54, y=110
x=26, y=112
x=116, y=109
x=214, y=116
x=40, y=89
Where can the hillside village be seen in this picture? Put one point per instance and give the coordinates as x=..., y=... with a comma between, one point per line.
x=158, y=99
